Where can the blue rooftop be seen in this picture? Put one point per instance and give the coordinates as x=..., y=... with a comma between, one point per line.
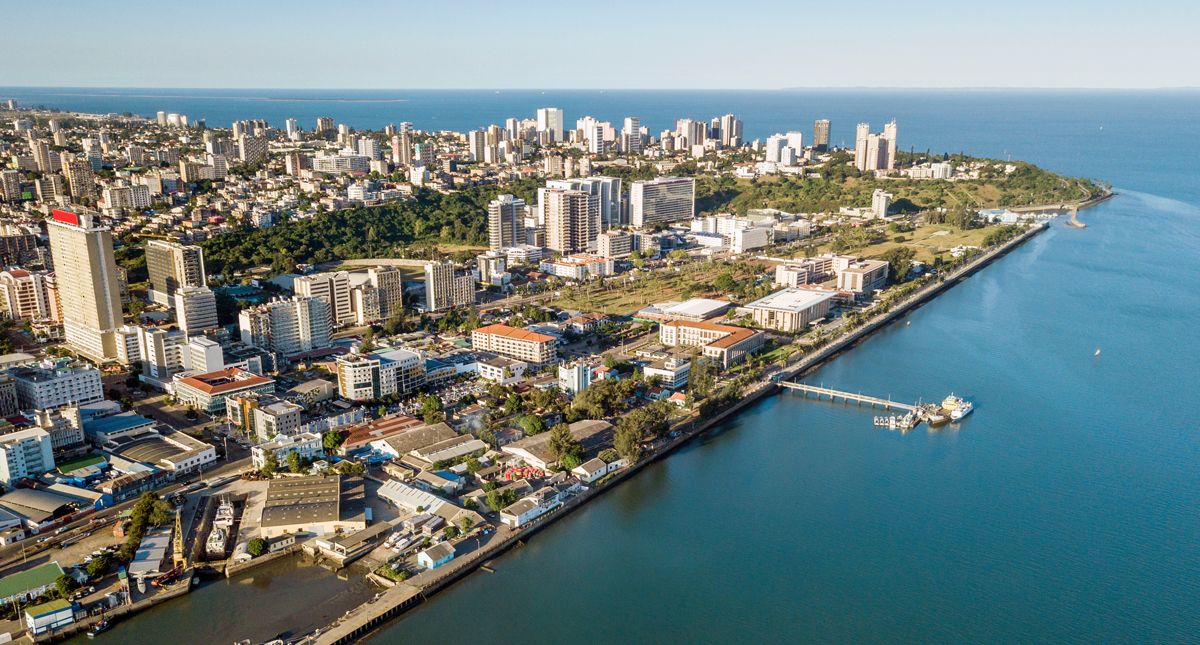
x=116, y=423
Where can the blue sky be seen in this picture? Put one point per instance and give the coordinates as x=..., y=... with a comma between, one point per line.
x=608, y=44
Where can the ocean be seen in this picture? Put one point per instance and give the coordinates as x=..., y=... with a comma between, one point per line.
x=1063, y=510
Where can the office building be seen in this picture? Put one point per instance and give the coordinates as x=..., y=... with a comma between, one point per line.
x=334, y=289
x=53, y=384
x=521, y=344
x=550, y=120
x=631, y=136
x=379, y=374
x=726, y=345
x=195, y=310
x=614, y=244
x=288, y=327
x=445, y=287
x=208, y=392
x=863, y=277
x=606, y=198
x=821, y=135
x=791, y=310
x=661, y=201
x=506, y=222
x=171, y=265
x=86, y=277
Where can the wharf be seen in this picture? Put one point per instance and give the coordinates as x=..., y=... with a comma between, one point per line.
x=849, y=397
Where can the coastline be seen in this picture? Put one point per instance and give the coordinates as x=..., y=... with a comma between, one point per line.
x=393, y=602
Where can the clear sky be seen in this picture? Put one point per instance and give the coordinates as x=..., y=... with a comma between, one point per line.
x=605, y=44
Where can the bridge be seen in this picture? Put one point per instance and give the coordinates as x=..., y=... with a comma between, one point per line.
x=850, y=397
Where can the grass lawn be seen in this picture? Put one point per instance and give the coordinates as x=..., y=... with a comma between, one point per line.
x=928, y=241
x=628, y=296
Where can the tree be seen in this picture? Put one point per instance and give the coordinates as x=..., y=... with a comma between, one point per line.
x=608, y=455
x=98, y=566
x=531, y=424
x=473, y=465
x=431, y=409
x=628, y=443
x=465, y=523
x=256, y=547
x=563, y=444
x=725, y=283
x=450, y=532
x=295, y=462
x=331, y=441
x=65, y=584
x=347, y=467
x=270, y=464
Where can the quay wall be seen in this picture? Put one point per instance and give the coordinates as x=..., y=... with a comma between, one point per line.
x=113, y=615
x=405, y=596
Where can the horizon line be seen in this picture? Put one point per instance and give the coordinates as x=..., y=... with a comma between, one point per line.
x=629, y=89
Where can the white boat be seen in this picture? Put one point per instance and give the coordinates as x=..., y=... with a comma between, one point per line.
x=962, y=410
x=1097, y=352
x=217, y=540
x=224, y=517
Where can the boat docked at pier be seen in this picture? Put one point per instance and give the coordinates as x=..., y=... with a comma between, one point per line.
x=962, y=410
x=218, y=539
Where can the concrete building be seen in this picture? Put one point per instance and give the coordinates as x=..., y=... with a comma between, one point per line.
x=550, y=121
x=263, y=416
x=53, y=384
x=445, y=288
x=172, y=265
x=673, y=371
x=579, y=267
x=379, y=374
x=506, y=222
x=23, y=295
x=881, y=200
x=195, y=310
x=614, y=244
x=791, y=310
x=863, y=277
x=521, y=344
x=726, y=344
x=316, y=505
x=572, y=220
x=334, y=289
x=86, y=277
x=288, y=327
x=207, y=392
x=574, y=378
x=307, y=444
x=25, y=454
x=820, y=141
x=661, y=201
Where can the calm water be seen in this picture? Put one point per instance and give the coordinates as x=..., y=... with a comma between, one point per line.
x=284, y=597
x=1063, y=510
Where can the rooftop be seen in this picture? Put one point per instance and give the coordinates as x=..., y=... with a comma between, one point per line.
x=733, y=335
x=792, y=299
x=224, y=381
x=35, y=578
x=515, y=333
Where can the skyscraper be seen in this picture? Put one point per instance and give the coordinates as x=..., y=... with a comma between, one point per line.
x=506, y=222
x=821, y=135
x=195, y=310
x=861, y=133
x=86, y=277
x=551, y=120
x=332, y=287
x=731, y=131
x=402, y=148
x=445, y=288
x=80, y=178
x=571, y=220
x=875, y=151
x=889, y=133
x=661, y=201
x=631, y=136
x=172, y=265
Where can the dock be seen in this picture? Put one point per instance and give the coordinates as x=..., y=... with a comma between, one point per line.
x=850, y=397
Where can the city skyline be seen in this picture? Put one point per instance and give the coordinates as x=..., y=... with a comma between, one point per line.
x=1067, y=46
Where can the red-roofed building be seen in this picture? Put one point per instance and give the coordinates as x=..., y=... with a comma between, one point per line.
x=726, y=344
x=207, y=392
x=513, y=342
x=377, y=429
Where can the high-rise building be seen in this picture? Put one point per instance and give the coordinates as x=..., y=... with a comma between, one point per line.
x=24, y=455
x=889, y=133
x=821, y=135
x=446, y=288
x=195, y=309
x=293, y=128
x=795, y=140
x=324, y=124
x=23, y=295
x=369, y=147
x=775, y=144
x=389, y=282
x=86, y=276
x=10, y=185
x=631, y=136
x=661, y=201
x=476, y=145
x=252, y=150
x=402, y=149
x=332, y=287
x=692, y=132
x=172, y=265
x=287, y=327
x=731, y=131
x=551, y=120
x=861, y=133
x=506, y=222
x=80, y=177
x=572, y=221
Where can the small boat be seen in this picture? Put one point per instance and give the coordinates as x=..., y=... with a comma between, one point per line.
x=907, y=323
x=962, y=410
x=98, y=628
x=1097, y=352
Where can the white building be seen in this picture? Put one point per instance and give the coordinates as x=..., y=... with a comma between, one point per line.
x=308, y=444
x=26, y=453
x=53, y=384
x=288, y=327
x=661, y=201
x=383, y=373
x=195, y=309
x=791, y=310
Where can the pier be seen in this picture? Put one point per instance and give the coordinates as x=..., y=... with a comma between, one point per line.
x=850, y=397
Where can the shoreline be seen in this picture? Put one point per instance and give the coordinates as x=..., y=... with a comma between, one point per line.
x=393, y=602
